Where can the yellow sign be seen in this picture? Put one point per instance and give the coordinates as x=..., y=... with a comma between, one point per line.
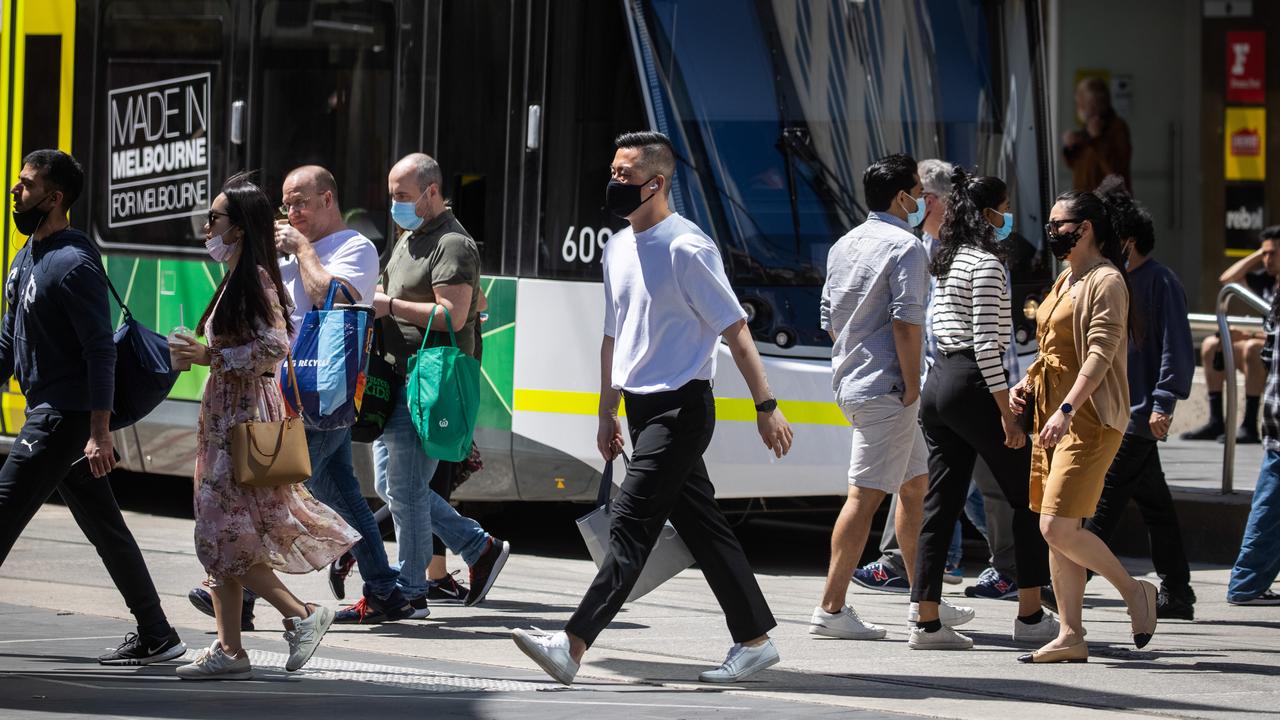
x=1245, y=137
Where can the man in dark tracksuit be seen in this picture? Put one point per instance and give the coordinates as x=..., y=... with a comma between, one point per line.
x=1161, y=365
x=57, y=340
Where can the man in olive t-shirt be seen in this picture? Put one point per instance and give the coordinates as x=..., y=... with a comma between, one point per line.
x=434, y=264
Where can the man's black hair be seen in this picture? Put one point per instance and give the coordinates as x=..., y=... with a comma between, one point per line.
x=657, y=157
x=885, y=178
x=60, y=171
x=1269, y=233
x=1144, y=232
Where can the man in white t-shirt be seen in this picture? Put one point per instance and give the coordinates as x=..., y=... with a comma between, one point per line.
x=316, y=247
x=667, y=305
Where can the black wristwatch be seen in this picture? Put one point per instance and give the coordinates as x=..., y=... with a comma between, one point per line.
x=1066, y=408
x=767, y=406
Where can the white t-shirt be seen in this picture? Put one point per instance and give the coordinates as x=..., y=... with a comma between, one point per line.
x=347, y=255
x=666, y=302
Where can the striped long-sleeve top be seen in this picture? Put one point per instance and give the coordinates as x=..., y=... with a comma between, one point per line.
x=971, y=311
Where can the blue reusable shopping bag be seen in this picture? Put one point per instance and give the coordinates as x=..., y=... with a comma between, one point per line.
x=331, y=355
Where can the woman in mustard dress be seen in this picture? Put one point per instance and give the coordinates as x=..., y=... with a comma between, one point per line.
x=1078, y=392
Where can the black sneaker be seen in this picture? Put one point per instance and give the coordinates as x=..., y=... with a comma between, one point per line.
x=338, y=571
x=447, y=590
x=421, y=607
x=204, y=603
x=1244, y=436
x=1048, y=600
x=486, y=570
x=1211, y=430
x=142, y=650
x=370, y=609
x=1175, y=605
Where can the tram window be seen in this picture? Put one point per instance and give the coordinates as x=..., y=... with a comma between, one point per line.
x=473, y=109
x=40, y=99
x=591, y=97
x=325, y=98
x=159, y=148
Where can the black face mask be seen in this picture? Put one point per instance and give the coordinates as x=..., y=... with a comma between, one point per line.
x=27, y=221
x=1060, y=244
x=622, y=199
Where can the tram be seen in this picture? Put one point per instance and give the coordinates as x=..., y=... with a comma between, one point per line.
x=774, y=106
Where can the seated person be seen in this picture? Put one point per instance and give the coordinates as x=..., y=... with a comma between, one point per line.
x=1258, y=272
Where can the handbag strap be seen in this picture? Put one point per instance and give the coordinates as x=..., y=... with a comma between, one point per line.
x=447, y=321
x=293, y=381
x=606, y=480
x=334, y=286
x=123, y=308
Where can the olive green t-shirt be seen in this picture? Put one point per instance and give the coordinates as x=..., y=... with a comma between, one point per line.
x=441, y=252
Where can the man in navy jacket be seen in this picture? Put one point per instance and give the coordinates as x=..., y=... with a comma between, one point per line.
x=57, y=341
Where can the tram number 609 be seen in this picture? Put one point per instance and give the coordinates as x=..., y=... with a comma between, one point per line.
x=583, y=248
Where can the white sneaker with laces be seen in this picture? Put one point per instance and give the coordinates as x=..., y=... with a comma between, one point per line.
x=214, y=664
x=1041, y=632
x=950, y=615
x=943, y=639
x=549, y=650
x=742, y=662
x=305, y=636
x=845, y=625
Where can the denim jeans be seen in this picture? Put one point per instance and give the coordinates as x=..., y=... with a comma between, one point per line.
x=333, y=482
x=1259, y=560
x=403, y=474
x=975, y=510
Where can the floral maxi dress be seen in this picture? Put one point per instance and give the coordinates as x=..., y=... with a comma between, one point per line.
x=239, y=526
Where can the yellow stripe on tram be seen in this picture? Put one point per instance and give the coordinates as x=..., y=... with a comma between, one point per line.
x=799, y=412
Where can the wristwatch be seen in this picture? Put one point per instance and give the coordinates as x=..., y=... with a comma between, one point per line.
x=1066, y=408
x=767, y=406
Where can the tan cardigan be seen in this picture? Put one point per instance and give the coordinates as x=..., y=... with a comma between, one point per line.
x=1100, y=323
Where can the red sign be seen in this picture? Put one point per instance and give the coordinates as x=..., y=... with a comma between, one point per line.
x=1246, y=143
x=1246, y=67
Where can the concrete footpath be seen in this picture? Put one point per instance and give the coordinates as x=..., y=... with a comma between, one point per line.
x=59, y=609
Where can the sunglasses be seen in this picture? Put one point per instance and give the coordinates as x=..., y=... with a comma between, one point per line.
x=1052, y=226
x=214, y=215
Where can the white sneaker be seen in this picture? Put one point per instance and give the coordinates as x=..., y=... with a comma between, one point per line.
x=742, y=662
x=214, y=664
x=845, y=625
x=950, y=615
x=943, y=639
x=1041, y=632
x=550, y=651
x=305, y=636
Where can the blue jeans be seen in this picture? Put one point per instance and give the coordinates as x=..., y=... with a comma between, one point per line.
x=975, y=510
x=1259, y=561
x=333, y=482
x=403, y=473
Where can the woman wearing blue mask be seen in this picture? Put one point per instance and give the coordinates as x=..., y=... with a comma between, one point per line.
x=965, y=410
x=245, y=534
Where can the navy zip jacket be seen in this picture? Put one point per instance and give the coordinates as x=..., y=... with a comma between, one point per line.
x=57, y=334
x=1162, y=364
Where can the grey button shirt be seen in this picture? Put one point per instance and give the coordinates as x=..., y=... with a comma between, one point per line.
x=877, y=273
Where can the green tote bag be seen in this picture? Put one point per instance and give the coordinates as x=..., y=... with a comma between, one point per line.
x=444, y=396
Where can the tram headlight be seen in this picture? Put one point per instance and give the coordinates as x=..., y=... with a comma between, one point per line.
x=1030, y=307
x=784, y=338
x=749, y=308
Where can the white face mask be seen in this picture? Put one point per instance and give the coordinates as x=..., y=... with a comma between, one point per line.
x=218, y=248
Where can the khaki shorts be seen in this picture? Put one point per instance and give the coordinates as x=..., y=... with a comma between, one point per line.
x=888, y=445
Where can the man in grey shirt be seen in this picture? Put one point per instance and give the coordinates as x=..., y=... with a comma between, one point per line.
x=873, y=305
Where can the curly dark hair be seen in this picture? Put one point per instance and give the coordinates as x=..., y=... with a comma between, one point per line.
x=963, y=222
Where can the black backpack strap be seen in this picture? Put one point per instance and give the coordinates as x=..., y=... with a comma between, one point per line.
x=116, y=295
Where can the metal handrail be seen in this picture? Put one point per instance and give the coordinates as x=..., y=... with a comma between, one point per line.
x=1229, y=291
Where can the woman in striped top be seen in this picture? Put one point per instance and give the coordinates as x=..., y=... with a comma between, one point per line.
x=965, y=410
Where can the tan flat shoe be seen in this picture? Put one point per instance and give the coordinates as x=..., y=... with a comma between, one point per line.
x=1144, y=625
x=1077, y=653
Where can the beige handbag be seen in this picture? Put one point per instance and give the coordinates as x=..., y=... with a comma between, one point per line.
x=270, y=454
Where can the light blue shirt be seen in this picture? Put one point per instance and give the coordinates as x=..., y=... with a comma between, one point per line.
x=877, y=273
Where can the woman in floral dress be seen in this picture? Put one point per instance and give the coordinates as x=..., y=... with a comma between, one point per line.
x=245, y=535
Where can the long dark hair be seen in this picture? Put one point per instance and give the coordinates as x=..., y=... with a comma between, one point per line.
x=1083, y=206
x=963, y=223
x=244, y=306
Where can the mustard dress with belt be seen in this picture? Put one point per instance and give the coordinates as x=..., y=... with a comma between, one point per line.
x=1066, y=480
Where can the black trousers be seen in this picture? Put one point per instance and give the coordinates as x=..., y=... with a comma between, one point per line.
x=40, y=462
x=668, y=479
x=1136, y=474
x=961, y=422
